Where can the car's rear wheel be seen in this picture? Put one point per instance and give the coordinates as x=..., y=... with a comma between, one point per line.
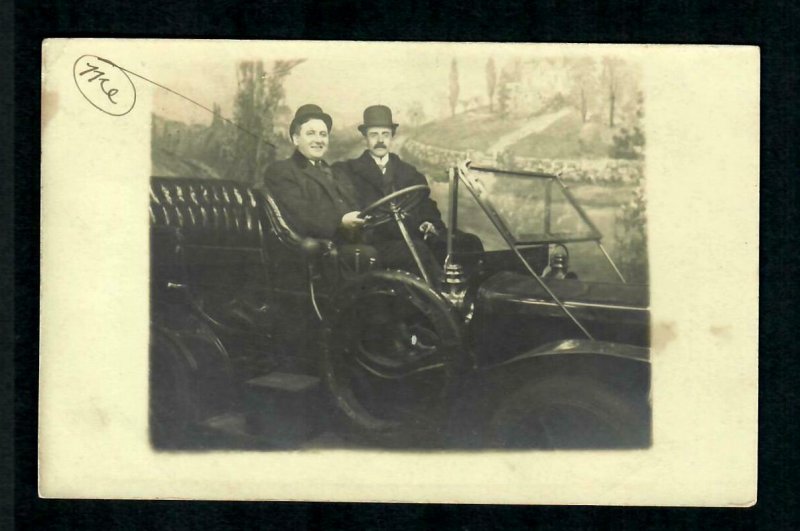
x=563, y=411
x=172, y=410
x=190, y=382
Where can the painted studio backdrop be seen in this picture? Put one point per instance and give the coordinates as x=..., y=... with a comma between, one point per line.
x=577, y=116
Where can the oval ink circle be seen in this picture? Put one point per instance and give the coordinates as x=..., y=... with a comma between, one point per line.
x=104, y=85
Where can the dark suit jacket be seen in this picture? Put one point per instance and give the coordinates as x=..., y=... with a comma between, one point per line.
x=369, y=187
x=312, y=204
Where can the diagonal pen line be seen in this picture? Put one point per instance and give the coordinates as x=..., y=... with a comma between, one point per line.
x=187, y=98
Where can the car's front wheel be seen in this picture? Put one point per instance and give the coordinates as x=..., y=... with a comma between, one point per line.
x=564, y=411
x=393, y=358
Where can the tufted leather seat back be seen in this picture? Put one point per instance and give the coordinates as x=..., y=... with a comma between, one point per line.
x=208, y=212
x=221, y=236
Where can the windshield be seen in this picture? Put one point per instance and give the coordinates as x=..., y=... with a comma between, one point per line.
x=534, y=208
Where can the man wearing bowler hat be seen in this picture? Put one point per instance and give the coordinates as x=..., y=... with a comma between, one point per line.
x=316, y=201
x=379, y=172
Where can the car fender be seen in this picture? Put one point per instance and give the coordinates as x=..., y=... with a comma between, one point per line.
x=613, y=362
x=620, y=366
x=585, y=347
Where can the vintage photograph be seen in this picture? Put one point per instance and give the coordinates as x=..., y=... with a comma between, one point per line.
x=444, y=250
x=399, y=272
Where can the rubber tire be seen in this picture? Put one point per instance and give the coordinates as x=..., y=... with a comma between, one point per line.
x=172, y=411
x=618, y=421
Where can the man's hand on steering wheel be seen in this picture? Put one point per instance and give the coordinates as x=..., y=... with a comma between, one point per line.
x=352, y=220
x=395, y=207
x=400, y=202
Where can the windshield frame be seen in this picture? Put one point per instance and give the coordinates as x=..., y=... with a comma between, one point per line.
x=547, y=237
x=480, y=195
x=462, y=175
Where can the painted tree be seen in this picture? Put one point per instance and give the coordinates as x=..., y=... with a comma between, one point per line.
x=454, y=87
x=504, y=95
x=583, y=76
x=629, y=141
x=218, y=141
x=216, y=120
x=508, y=85
x=248, y=108
x=612, y=76
x=491, y=81
x=259, y=96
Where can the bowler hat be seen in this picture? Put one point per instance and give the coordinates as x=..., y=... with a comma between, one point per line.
x=308, y=112
x=377, y=116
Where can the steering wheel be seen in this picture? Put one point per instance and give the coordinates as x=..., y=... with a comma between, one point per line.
x=393, y=357
x=402, y=201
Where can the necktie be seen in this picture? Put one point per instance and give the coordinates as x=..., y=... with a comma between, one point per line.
x=386, y=179
x=339, y=196
x=325, y=171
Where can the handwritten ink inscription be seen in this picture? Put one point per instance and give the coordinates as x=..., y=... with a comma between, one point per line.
x=104, y=85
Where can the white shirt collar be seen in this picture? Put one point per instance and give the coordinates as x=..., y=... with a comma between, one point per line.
x=380, y=161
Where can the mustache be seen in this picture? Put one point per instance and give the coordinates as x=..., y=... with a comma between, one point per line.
x=380, y=145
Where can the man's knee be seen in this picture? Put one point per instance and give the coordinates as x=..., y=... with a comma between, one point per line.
x=397, y=255
x=466, y=242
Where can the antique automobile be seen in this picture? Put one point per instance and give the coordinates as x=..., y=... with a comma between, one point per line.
x=260, y=337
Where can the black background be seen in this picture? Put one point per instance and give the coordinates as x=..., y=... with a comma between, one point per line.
x=772, y=25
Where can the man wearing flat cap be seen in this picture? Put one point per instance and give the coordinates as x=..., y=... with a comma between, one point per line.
x=316, y=201
x=379, y=172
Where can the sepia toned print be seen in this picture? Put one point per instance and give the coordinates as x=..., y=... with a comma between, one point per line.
x=232, y=311
x=461, y=267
